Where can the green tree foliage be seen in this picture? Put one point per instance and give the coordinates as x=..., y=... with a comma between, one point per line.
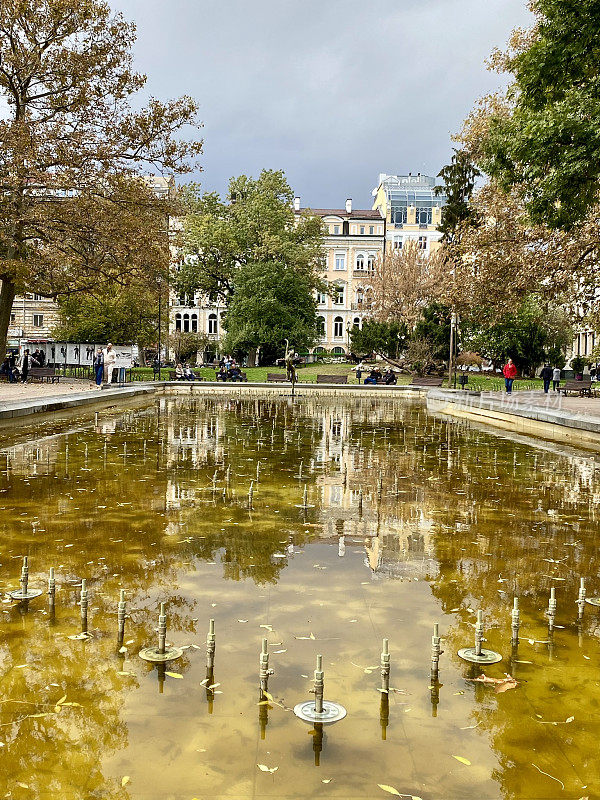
x=545, y=140
x=434, y=327
x=123, y=316
x=271, y=302
x=530, y=335
x=252, y=254
x=458, y=183
x=255, y=224
x=385, y=339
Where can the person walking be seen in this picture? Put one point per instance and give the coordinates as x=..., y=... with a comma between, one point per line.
x=24, y=365
x=546, y=375
x=359, y=371
x=510, y=373
x=110, y=358
x=99, y=367
x=555, y=378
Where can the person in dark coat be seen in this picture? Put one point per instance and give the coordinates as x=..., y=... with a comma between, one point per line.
x=546, y=376
x=24, y=365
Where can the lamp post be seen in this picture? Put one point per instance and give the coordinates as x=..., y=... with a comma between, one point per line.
x=451, y=364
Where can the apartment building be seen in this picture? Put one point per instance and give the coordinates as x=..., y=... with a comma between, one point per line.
x=354, y=238
x=412, y=210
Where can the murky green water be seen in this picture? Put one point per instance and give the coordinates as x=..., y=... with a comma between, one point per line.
x=138, y=499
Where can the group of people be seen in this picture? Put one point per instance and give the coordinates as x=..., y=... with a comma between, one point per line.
x=548, y=374
x=183, y=372
x=16, y=368
x=104, y=364
x=229, y=370
x=375, y=376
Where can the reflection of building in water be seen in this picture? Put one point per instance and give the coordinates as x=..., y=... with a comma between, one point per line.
x=200, y=443
x=33, y=457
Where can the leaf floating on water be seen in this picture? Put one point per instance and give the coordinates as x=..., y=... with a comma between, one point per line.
x=212, y=686
x=62, y=700
x=177, y=675
x=125, y=780
x=122, y=672
x=389, y=789
x=275, y=652
x=123, y=650
x=23, y=785
x=264, y=768
x=462, y=760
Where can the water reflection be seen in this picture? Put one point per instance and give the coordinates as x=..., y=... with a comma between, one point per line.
x=409, y=519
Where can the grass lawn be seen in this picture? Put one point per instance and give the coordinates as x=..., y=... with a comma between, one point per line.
x=308, y=374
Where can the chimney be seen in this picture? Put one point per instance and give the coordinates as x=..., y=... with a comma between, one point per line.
x=349, y=205
x=296, y=204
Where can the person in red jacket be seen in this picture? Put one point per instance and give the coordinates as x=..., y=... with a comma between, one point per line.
x=510, y=373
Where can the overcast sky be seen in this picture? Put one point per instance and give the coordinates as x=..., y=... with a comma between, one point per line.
x=333, y=92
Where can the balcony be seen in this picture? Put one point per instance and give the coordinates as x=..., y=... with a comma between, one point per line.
x=361, y=306
x=362, y=273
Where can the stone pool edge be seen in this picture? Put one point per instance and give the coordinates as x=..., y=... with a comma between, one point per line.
x=51, y=403
x=555, y=424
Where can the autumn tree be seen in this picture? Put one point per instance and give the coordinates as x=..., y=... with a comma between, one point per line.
x=541, y=138
x=74, y=213
x=404, y=282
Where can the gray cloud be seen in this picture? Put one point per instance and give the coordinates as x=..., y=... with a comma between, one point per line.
x=331, y=92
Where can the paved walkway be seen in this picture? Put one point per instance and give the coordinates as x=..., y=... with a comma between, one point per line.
x=587, y=406
x=13, y=392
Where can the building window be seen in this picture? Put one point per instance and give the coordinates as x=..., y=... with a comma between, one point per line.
x=397, y=243
x=356, y=322
x=371, y=230
x=38, y=297
x=338, y=298
x=194, y=323
x=423, y=215
x=362, y=230
x=360, y=295
x=186, y=323
x=338, y=351
x=336, y=230
x=321, y=326
x=422, y=243
x=338, y=327
x=38, y=320
x=371, y=262
x=360, y=261
x=13, y=319
x=321, y=298
x=177, y=322
x=212, y=323
x=340, y=261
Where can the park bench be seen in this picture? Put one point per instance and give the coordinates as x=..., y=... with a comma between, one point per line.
x=42, y=374
x=427, y=380
x=582, y=388
x=332, y=379
x=276, y=377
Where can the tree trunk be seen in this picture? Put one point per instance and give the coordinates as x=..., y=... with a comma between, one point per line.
x=7, y=295
x=142, y=355
x=252, y=352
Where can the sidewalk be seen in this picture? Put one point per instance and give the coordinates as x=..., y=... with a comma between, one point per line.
x=550, y=416
x=12, y=392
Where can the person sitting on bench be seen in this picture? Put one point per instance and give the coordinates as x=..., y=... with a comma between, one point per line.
x=179, y=374
x=222, y=373
x=373, y=377
x=188, y=374
x=390, y=377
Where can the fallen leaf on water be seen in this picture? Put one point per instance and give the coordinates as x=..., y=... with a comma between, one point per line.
x=389, y=789
x=125, y=780
x=122, y=649
x=212, y=686
x=462, y=760
x=23, y=785
x=264, y=768
x=173, y=675
x=275, y=652
x=326, y=780
x=74, y=705
x=122, y=672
